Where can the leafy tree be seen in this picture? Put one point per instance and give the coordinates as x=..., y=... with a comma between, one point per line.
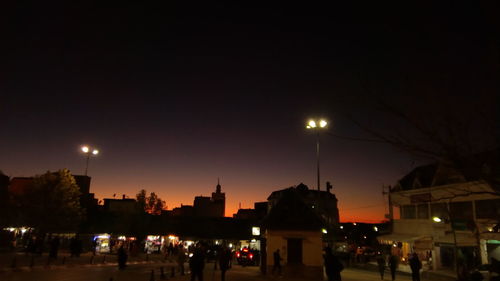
x=151, y=204
x=141, y=199
x=51, y=204
x=159, y=206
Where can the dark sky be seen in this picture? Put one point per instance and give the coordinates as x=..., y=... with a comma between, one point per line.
x=176, y=96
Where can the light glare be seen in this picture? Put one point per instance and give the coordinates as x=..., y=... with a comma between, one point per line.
x=312, y=124
x=436, y=219
x=95, y=152
x=85, y=149
x=323, y=123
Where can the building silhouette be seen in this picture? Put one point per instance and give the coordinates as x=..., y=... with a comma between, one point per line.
x=324, y=203
x=204, y=206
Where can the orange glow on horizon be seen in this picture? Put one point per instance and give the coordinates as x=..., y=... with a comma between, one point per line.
x=371, y=215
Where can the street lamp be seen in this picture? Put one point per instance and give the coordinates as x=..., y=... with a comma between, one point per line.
x=317, y=125
x=88, y=151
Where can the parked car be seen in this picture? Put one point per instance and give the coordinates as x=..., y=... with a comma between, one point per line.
x=247, y=257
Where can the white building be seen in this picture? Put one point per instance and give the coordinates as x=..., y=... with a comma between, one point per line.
x=439, y=210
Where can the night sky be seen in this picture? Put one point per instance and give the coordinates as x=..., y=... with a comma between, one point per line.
x=175, y=97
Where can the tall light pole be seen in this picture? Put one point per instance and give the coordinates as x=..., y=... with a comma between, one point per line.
x=317, y=125
x=88, y=151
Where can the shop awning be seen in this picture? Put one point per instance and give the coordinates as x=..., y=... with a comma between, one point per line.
x=398, y=237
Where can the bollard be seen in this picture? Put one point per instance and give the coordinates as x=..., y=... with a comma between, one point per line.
x=162, y=274
x=173, y=272
x=91, y=259
x=152, y=275
x=32, y=262
x=14, y=262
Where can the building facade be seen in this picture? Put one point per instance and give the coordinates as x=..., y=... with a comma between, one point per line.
x=451, y=222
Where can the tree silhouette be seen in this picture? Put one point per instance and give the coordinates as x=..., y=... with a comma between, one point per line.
x=51, y=204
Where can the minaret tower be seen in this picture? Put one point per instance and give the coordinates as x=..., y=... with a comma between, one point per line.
x=219, y=199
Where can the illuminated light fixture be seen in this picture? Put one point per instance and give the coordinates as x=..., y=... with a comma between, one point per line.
x=341, y=227
x=172, y=237
x=324, y=231
x=375, y=228
x=437, y=219
x=88, y=151
x=323, y=123
x=353, y=223
x=230, y=245
x=490, y=229
x=311, y=124
x=364, y=236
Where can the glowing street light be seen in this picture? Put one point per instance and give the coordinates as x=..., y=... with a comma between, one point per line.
x=437, y=219
x=88, y=151
x=317, y=125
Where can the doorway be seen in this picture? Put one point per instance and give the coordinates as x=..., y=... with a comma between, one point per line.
x=294, y=254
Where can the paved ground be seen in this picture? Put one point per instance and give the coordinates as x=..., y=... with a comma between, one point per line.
x=9, y=261
x=142, y=272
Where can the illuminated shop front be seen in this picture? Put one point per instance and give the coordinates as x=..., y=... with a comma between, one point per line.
x=153, y=244
x=102, y=243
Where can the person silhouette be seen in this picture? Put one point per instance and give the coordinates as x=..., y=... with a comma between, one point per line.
x=122, y=257
x=333, y=266
x=181, y=258
x=197, y=263
x=415, y=266
x=277, y=261
x=393, y=264
x=381, y=265
x=224, y=261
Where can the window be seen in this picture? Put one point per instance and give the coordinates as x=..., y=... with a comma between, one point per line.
x=422, y=211
x=461, y=210
x=439, y=210
x=488, y=209
x=408, y=212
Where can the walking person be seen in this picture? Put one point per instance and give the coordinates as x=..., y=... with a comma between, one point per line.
x=393, y=264
x=181, y=258
x=381, y=265
x=224, y=262
x=197, y=263
x=415, y=266
x=122, y=258
x=277, y=261
x=333, y=266
x=54, y=247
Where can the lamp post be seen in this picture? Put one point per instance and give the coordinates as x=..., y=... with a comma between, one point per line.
x=88, y=151
x=449, y=219
x=317, y=125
